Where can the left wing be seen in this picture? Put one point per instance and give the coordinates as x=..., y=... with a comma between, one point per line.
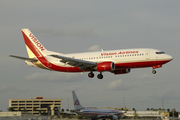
x=82, y=64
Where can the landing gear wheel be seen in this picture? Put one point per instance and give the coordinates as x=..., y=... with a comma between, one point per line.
x=100, y=76
x=154, y=72
x=91, y=75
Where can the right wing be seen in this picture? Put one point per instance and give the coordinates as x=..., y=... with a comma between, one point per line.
x=24, y=58
x=82, y=64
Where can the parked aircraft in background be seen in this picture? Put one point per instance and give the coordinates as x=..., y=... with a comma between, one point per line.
x=165, y=118
x=95, y=113
x=114, y=61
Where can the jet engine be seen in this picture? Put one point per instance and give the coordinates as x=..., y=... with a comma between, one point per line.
x=123, y=71
x=114, y=117
x=105, y=66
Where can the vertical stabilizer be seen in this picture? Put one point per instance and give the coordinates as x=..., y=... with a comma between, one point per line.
x=76, y=102
x=33, y=46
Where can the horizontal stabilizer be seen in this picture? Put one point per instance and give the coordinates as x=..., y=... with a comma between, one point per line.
x=24, y=58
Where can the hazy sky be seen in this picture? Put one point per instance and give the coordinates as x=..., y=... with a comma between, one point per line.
x=78, y=26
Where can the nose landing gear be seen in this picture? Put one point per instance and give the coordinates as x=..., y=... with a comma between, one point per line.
x=154, y=71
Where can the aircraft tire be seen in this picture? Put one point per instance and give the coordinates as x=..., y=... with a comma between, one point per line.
x=91, y=75
x=154, y=72
x=100, y=76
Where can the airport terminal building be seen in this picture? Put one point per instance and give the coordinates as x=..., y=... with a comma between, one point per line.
x=36, y=106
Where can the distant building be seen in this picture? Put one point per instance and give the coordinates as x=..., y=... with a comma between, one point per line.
x=159, y=110
x=143, y=114
x=7, y=114
x=36, y=106
x=165, y=114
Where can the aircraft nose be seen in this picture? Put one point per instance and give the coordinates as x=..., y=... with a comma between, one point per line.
x=169, y=57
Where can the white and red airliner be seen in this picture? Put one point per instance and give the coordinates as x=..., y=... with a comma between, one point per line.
x=114, y=61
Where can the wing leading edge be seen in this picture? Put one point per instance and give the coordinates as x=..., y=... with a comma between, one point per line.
x=82, y=64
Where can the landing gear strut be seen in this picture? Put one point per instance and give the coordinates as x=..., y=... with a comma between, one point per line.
x=91, y=75
x=154, y=71
x=100, y=76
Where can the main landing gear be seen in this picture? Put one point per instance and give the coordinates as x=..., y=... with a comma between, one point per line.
x=91, y=74
x=99, y=76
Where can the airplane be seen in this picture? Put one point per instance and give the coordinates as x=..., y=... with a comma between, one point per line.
x=115, y=61
x=164, y=118
x=95, y=113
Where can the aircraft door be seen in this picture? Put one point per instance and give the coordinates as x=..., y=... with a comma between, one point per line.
x=147, y=54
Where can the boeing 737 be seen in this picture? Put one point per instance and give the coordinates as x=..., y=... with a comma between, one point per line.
x=114, y=61
x=95, y=113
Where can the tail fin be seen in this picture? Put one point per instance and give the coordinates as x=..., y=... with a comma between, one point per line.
x=34, y=48
x=76, y=102
x=125, y=109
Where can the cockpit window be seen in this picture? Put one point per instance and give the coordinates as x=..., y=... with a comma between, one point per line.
x=160, y=52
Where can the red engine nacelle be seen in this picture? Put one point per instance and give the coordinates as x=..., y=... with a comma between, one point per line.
x=123, y=71
x=105, y=66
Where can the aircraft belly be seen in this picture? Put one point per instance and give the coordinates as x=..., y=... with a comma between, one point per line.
x=139, y=64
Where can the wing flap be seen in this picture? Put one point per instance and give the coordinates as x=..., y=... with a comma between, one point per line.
x=24, y=58
x=82, y=64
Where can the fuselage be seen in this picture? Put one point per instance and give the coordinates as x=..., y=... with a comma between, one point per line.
x=100, y=113
x=123, y=59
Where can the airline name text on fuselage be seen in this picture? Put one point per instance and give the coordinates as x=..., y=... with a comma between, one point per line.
x=34, y=39
x=121, y=52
